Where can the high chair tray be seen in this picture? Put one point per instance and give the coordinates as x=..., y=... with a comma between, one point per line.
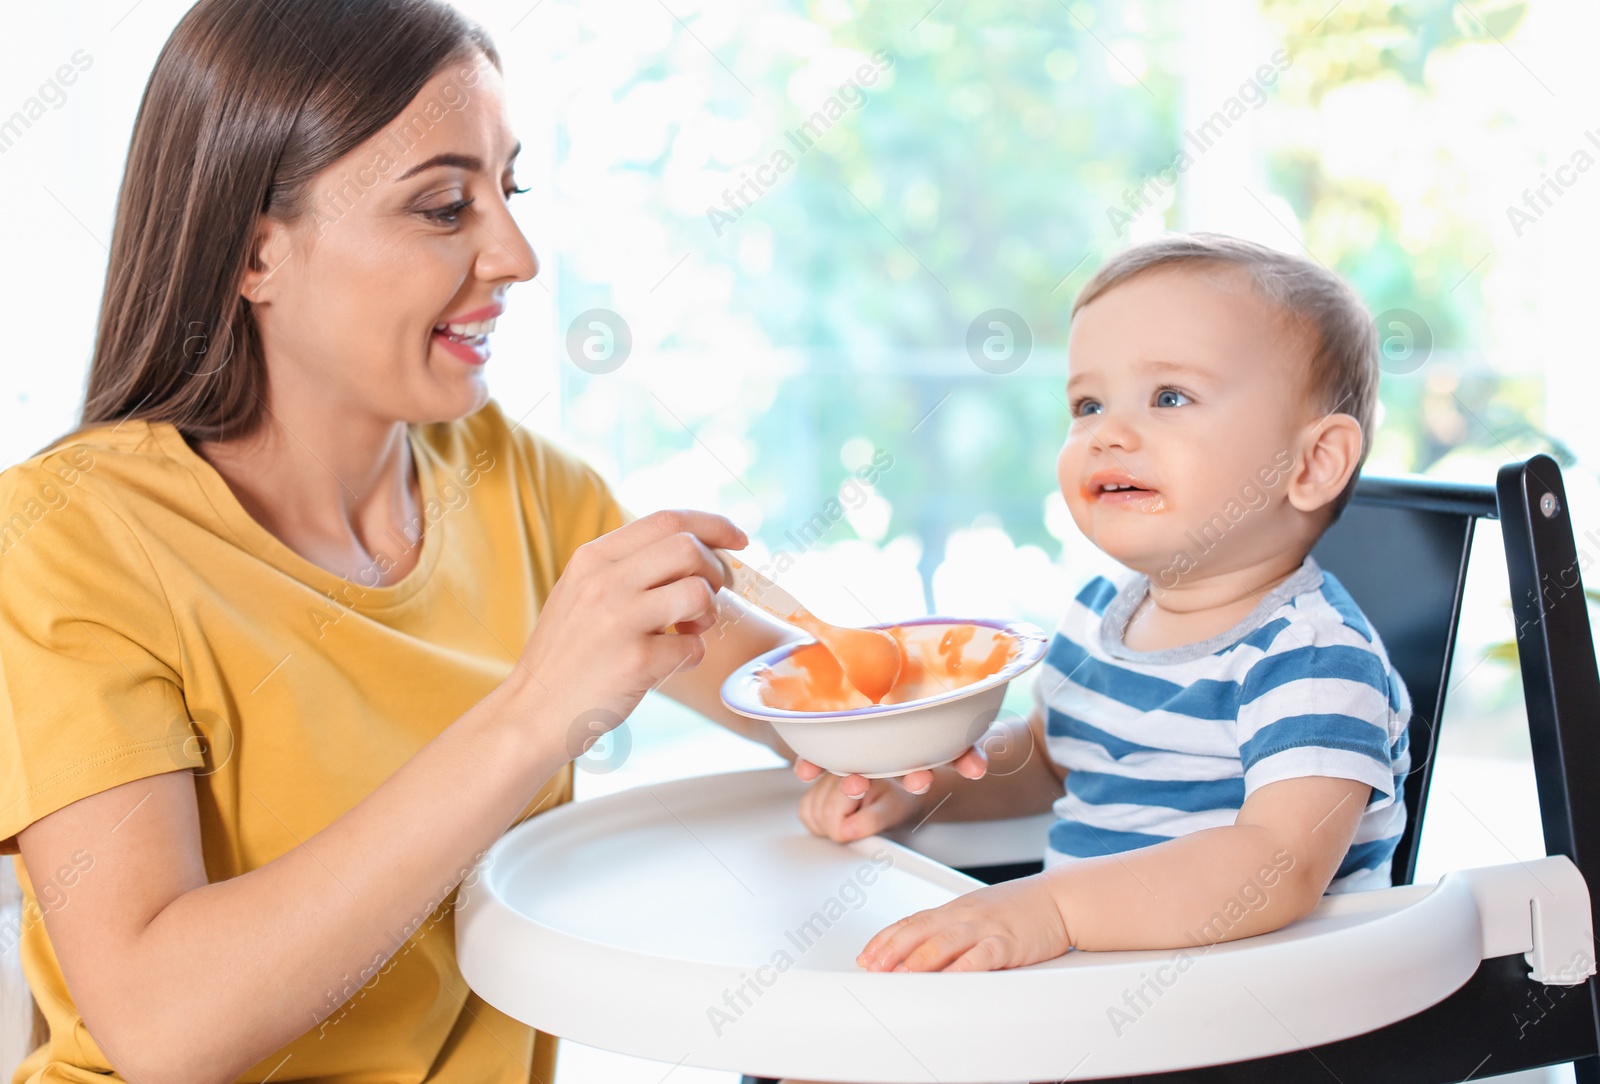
x=697, y=923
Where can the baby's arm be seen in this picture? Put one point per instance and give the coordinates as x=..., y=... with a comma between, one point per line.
x=1267, y=869
x=1021, y=779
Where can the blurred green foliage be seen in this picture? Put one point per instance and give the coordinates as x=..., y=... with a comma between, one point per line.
x=979, y=177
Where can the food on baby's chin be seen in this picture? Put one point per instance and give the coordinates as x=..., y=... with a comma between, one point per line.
x=938, y=658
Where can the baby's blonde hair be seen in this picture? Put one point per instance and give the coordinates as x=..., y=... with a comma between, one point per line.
x=1343, y=372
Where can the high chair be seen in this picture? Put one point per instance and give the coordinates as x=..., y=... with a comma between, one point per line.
x=697, y=923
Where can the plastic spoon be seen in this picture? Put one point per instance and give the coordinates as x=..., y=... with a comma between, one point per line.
x=870, y=659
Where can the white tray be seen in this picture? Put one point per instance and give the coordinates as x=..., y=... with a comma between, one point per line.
x=698, y=923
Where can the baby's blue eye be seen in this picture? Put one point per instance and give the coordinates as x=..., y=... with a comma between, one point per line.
x=1086, y=406
x=1171, y=397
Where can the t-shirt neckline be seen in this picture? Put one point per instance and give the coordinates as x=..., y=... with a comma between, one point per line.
x=272, y=549
x=1114, y=623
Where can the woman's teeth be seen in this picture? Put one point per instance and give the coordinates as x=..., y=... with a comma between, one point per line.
x=466, y=332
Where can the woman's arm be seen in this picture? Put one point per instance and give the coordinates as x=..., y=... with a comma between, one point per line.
x=179, y=979
x=741, y=633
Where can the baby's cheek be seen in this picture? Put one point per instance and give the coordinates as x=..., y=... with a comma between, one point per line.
x=1066, y=471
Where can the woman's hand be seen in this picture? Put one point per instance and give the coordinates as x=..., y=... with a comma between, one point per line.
x=972, y=764
x=626, y=614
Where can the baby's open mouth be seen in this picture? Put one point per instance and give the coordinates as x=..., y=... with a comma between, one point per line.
x=1121, y=490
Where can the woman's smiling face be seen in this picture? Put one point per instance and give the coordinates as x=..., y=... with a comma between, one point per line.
x=408, y=233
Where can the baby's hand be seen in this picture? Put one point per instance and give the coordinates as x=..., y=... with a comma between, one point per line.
x=829, y=810
x=1005, y=925
x=849, y=807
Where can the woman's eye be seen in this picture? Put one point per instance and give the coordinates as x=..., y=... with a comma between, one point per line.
x=1171, y=397
x=449, y=214
x=1085, y=407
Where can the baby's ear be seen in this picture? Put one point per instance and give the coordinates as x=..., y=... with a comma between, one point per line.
x=1328, y=456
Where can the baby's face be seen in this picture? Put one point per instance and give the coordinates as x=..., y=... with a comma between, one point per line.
x=1187, y=396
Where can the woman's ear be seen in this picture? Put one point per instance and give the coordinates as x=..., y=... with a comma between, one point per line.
x=1328, y=457
x=269, y=250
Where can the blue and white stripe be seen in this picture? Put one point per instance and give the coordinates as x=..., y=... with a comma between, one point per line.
x=1161, y=744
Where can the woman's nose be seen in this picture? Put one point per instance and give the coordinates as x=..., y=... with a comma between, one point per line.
x=505, y=253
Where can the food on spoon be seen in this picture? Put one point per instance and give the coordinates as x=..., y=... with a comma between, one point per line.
x=870, y=659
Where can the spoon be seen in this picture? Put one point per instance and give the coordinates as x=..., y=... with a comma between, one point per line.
x=870, y=659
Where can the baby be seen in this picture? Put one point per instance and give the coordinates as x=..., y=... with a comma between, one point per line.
x=1230, y=732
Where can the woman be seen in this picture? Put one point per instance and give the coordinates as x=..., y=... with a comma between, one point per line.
x=273, y=679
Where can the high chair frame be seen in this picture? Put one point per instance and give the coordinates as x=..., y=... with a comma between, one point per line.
x=1402, y=548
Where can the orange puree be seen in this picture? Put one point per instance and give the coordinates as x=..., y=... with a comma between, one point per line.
x=937, y=659
x=871, y=662
x=957, y=637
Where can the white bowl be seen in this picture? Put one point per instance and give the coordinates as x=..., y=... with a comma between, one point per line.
x=878, y=740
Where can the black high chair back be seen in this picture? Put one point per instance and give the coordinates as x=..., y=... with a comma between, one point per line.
x=1401, y=549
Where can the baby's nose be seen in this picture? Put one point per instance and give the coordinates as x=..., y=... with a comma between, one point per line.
x=1113, y=431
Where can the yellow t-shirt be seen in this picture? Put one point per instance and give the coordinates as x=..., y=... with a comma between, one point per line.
x=148, y=623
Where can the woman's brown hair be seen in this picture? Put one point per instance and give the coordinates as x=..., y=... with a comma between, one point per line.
x=248, y=102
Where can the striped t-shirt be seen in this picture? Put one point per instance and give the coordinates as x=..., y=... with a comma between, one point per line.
x=1159, y=744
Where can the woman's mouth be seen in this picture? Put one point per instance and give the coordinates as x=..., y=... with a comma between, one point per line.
x=467, y=341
